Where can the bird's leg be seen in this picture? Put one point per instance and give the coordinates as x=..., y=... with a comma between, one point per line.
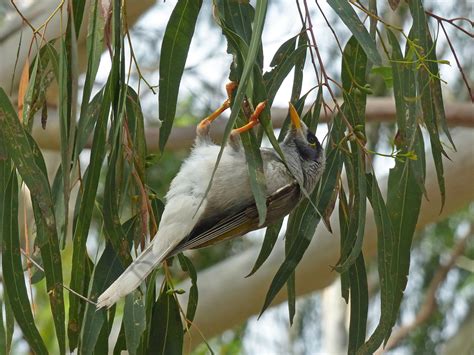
x=234, y=139
x=253, y=120
x=203, y=126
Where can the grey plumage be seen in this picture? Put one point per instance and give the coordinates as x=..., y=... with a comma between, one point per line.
x=229, y=208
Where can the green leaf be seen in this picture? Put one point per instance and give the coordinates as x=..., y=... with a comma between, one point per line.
x=359, y=304
x=5, y=172
x=291, y=282
x=187, y=266
x=13, y=278
x=386, y=74
x=16, y=143
x=51, y=258
x=311, y=118
x=357, y=185
x=271, y=236
x=385, y=248
x=3, y=335
x=81, y=227
x=166, y=336
x=403, y=204
x=353, y=74
x=236, y=18
x=9, y=322
x=274, y=78
x=107, y=270
x=256, y=174
x=174, y=51
x=399, y=75
x=236, y=25
x=254, y=48
x=426, y=82
x=344, y=227
x=299, y=66
x=353, y=23
x=134, y=320
x=120, y=344
x=112, y=225
x=94, y=45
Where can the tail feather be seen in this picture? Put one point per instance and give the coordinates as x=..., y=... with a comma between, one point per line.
x=131, y=277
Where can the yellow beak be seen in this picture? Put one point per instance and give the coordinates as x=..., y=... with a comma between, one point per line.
x=295, y=118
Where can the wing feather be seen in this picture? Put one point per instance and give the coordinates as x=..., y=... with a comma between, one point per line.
x=221, y=227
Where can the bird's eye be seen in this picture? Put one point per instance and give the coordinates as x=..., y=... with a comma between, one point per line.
x=312, y=140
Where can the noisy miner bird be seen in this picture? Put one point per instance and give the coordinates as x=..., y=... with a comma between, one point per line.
x=229, y=208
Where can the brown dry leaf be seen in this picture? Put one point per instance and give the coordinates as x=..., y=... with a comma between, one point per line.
x=24, y=81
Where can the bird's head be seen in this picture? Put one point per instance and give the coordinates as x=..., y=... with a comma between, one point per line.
x=301, y=143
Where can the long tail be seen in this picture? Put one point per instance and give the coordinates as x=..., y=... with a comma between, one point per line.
x=131, y=277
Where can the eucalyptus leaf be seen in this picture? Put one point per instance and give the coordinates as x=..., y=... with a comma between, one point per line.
x=174, y=51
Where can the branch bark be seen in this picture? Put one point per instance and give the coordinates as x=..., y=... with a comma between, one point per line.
x=459, y=114
x=227, y=298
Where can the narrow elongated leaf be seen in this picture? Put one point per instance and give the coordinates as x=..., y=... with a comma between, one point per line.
x=255, y=164
x=66, y=124
x=274, y=78
x=9, y=322
x=256, y=173
x=5, y=172
x=3, y=335
x=174, y=51
x=299, y=67
x=120, y=344
x=313, y=115
x=187, y=266
x=91, y=181
x=94, y=45
x=385, y=248
x=399, y=73
x=359, y=304
x=167, y=334
x=269, y=241
x=347, y=14
x=13, y=278
x=344, y=227
x=426, y=83
x=108, y=268
x=134, y=320
x=353, y=74
x=435, y=86
x=357, y=185
x=51, y=258
x=113, y=228
x=403, y=204
x=16, y=142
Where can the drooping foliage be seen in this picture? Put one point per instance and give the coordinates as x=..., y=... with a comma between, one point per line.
x=128, y=210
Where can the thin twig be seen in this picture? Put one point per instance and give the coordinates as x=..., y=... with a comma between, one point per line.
x=457, y=61
x=63, y=285
x=452, y=22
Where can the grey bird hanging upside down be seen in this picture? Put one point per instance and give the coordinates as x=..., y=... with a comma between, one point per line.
x=229, y=208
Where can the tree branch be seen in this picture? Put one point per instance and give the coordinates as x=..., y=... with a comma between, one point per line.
x=460, y=114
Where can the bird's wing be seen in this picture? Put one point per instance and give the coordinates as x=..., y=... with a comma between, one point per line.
x=224, y=225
